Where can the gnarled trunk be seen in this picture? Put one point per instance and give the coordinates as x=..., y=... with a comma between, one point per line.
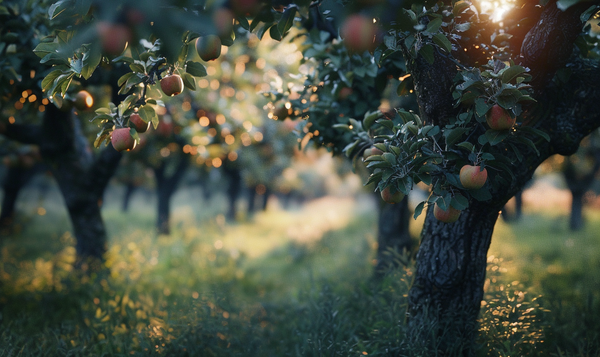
x=446, y=294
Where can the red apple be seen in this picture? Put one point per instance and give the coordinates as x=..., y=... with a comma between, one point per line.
x=122, y=140
x=83, y=100
x=344, y=93
x=472, y=177
x=245, y=7
x=114, y=37
x=389, y=197
x=499, y=118
x=171, y=85
x=448, y=216
x=138, y=123
x=359, y=32
x=223, y=20
x=371, y=151
x=208, y=47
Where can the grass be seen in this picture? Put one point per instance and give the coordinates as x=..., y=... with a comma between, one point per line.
x=286, y=283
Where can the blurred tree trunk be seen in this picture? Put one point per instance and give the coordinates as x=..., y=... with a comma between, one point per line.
x=16, y=178
x=168, y=174
x=580, y=171
x=130, y=188
x=393, y=236
x=234, y=188
x=579, y=181
x=510, y=215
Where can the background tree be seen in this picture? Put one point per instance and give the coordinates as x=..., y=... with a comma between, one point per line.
x=580, y=171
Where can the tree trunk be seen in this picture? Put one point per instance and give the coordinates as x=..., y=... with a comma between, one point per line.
x=576, y=217
x=16, y=178
x=234, y=189
x=265, y=198
x=251, y=200
x=166, y=185
x=89, y=230
x=129, y=189
x=393, y=236
x=82, y=179
x=446, y=294
x=164, y=194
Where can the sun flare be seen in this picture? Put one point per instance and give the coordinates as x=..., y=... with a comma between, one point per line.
x=497, y=9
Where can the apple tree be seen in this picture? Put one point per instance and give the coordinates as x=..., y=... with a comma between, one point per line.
x=498, y=96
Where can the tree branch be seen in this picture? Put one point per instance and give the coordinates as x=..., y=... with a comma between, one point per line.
x=574, y=107
x=549, y=44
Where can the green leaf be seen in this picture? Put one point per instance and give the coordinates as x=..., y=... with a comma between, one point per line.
x=274, y=33
x=183, y=53
x=459, y=202
x=104, y=134
x=44, y=48
x=57, y=8
x=123, y=79
x=243, y=22
x=511, y=73
x=453, y=135
x=481, y=107
x=54, y=58
x=529, y=143
x=389, y=157
x=496, y=136
x=188, y=81
x=441, y=40
x=286, y=21
x=466, y=145
x=405, y=87
x=534, y=131
x=587, y=14
x=196, y=69
x=419, y=209
x=374, y=178
x=91, y=60
x=427, y=52
x=136, y=67
x=434, y=25
x=147, y=113
x=459, y=7
x=48, y=81
x=483, y=194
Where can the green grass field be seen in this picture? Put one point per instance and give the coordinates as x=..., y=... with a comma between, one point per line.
x=286, y=283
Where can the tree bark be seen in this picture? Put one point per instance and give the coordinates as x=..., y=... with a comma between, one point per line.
x=393, y=236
